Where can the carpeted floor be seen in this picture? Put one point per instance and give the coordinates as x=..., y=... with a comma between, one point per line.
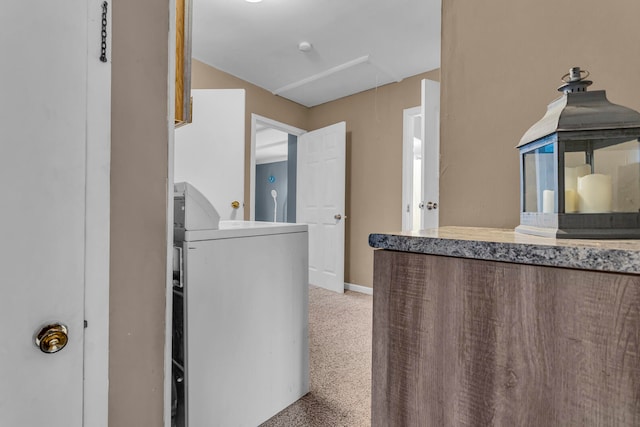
x=339, y=362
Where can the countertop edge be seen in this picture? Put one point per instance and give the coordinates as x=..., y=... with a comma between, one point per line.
x=576, y=256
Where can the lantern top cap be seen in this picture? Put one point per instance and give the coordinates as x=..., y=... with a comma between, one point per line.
x=579, y=110
x=574, y=81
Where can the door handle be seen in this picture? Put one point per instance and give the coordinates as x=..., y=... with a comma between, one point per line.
x=52, y=338
x=432, y=205
x=339, y=217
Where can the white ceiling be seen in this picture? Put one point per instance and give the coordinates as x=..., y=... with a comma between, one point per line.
x=271, y=145
x=356, y=44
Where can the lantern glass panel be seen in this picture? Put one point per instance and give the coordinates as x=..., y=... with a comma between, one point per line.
x=602, y=176
x=539, y=179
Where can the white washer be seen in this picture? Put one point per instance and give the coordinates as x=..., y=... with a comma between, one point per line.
x=246, y=321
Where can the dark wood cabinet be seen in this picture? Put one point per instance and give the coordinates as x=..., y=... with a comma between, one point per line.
x=468, y=342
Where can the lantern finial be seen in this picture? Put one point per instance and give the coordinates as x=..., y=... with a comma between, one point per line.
x=576, y=82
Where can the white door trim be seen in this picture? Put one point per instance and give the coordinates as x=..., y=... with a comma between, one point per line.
x=408, y=116
x=255, y=119
x=97, y=226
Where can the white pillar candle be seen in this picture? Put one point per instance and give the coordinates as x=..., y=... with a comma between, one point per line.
x=595, y=193
x=570, y=201
x=548, y=201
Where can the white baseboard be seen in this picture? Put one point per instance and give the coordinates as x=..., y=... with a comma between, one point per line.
x=358, y=288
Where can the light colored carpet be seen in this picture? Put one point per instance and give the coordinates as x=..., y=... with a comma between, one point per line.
x=339, y=362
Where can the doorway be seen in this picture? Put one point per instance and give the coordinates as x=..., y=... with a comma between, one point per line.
x=412, y=175
x=421, y=161
x=273, y=170
x=307, y=181
x=275, y=181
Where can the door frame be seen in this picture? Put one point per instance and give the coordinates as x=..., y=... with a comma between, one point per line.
x=97, y=232
x=429, y=111
x=408, y=117
x=255, y=120
x=430, y=106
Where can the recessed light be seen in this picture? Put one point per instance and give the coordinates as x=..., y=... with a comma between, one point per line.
x=253, y=1
x=304, y=46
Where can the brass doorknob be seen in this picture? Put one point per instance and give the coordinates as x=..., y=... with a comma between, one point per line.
x=52, y=338
x=235, y=204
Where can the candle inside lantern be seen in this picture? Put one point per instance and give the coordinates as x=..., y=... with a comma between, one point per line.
x=570, y=201
x=548, y=201
x=595, y=193
x=571, y=176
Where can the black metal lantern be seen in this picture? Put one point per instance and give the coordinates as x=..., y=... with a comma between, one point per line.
x=580, y=167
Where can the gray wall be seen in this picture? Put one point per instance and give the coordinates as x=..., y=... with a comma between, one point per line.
x=291, y=173
x=264, y=200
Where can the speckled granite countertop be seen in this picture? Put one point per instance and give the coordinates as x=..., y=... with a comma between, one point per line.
x=619, y=256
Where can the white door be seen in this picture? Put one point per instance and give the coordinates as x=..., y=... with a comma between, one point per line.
x=49, y=164
x=430, y=111
x=421, y=161
x=209, y=152
x=321, y=202
x=412, y=176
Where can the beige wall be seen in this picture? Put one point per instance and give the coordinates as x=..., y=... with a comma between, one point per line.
x=139, y=138
x=501, y=64
x=374, y=151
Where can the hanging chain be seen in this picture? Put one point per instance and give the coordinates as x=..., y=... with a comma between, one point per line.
x=103, y=56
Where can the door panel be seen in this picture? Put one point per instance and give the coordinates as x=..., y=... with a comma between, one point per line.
x=411, y=168
x=209, y=152
x=421, y=161
x=320, y=197
x=430, y=110
x=43, y=165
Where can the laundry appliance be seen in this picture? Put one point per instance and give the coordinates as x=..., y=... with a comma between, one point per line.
x=240, y=315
